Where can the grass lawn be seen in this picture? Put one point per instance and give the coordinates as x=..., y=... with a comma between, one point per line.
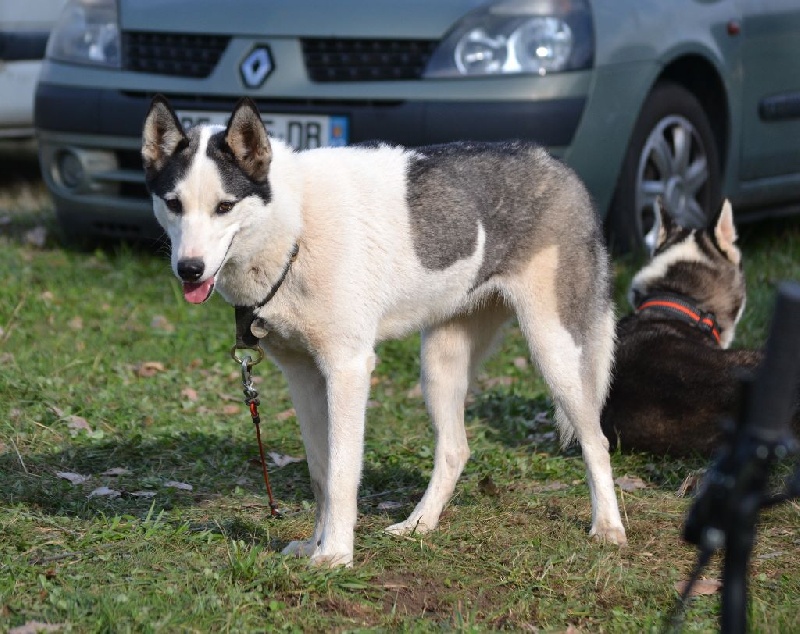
x=109, y=378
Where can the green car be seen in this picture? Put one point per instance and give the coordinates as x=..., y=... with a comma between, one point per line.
x=691, y=100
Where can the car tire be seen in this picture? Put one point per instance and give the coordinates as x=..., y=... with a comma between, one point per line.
x=672, y=154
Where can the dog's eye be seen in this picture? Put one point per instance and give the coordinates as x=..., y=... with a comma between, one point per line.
x=225, y=206
x=174, y=205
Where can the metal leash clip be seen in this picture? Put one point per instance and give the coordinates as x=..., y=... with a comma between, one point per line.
x=246, y=358
x=250, y=393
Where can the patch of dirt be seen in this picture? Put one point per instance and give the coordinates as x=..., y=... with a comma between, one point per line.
x=413, y=595
x=416, y=596
x=340, y=606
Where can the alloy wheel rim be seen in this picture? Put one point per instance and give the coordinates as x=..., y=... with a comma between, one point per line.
x=673, y=165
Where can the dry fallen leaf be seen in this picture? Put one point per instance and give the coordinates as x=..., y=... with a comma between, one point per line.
x=149, y=368
x=172, y=484
x=74, y=478
x=415, y=392
x=701, y=586
x=231, y=409
x=630, y=483
x=494, y=381
x=551, y=486
x=116, y=471
x=189, y=393
x=76, y=323
x=690, y=483
x=521, y=363
x=286, y=414
x=77, y=424
x=104, y=492
x=281, y=460
x=772, y=555
x=394, y=586
x=388, y=505
x=144, y=494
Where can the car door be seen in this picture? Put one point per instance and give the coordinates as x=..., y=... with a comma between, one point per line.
x=770, y=147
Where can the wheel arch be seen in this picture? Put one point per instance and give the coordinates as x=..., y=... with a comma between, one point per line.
x=693, y=73
x=700, y=77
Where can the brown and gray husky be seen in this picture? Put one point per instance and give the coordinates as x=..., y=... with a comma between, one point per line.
x=675, y=380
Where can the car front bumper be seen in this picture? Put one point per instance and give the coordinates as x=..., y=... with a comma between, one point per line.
x=89, y=140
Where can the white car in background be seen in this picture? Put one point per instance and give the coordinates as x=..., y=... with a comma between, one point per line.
x=24, y=28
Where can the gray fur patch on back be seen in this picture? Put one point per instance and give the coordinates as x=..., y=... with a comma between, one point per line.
x=454, y=187
x=526, y=201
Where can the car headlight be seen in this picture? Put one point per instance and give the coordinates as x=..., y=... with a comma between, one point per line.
x=517, y=37
x=87, y=33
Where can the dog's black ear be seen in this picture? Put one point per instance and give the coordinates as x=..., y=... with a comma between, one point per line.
x=247, y=138
x=162, y=135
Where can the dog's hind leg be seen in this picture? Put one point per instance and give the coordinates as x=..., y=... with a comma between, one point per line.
x=307, y=390
x=451, y=354
x=576, y=364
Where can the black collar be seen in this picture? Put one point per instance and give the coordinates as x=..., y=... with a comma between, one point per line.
x=681, y=307
x=245, y=315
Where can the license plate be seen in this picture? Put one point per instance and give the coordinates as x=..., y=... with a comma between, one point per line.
x=303, y=132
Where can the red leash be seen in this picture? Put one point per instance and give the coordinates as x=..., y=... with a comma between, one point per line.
x=252, y=402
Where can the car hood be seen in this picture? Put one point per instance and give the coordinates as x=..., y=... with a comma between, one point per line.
x=421, y=19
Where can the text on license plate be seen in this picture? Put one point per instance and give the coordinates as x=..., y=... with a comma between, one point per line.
x=303, y=132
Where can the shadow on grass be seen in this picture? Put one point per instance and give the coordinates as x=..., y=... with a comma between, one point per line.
x=517, y=420
x=227, y=492
x=170, y=471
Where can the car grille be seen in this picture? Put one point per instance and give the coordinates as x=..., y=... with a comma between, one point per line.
x=366, y=60
x=178, y=54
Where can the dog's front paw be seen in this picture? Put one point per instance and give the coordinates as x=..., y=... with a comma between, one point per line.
x=611, y=534
x=300, y=548
x=409, y=527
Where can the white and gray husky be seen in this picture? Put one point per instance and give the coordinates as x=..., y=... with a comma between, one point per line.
x=333, y=250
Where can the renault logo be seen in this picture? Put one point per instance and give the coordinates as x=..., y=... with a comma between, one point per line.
x=256, y=67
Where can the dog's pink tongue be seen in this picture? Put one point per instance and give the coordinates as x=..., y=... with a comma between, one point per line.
x=198, y=292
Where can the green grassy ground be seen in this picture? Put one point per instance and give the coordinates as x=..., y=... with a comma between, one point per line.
x=103, y=367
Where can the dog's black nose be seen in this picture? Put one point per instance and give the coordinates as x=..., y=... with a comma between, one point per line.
x=190, y=269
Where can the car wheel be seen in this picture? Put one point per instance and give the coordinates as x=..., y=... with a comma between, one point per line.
x=672, y=154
